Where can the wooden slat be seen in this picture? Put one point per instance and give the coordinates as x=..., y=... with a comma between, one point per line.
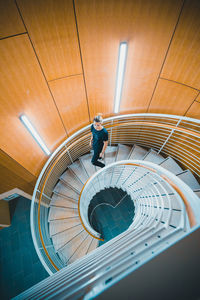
x=69, y=94
x=10, y=21
x=194, y=110
x=147, y=26
x=172, y=98
x=183, y=59
x=189, y=145
x=192, y=154
x=24, y=90
x=51, y=25
x=190, y=125
x=159, y=119
x=183, y=158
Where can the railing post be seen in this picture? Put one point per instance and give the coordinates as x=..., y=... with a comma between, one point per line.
x=169, y=136
x=111, y=134
x=69, y=155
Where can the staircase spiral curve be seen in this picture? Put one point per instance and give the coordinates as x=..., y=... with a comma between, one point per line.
x=154, y=158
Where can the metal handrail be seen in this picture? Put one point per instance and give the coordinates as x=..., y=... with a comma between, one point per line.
x=161, y=172
x=71, y=148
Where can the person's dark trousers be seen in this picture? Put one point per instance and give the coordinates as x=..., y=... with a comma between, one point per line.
x=95, y=158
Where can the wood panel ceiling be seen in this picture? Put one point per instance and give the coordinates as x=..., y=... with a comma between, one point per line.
x=58, y=60
x=24, y=90
x=52, y=29
x=10, y=20
x=172, y=98
x=71, y=101
x=183, y=59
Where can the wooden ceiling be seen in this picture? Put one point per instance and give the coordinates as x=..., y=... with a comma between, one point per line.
x=58, y=61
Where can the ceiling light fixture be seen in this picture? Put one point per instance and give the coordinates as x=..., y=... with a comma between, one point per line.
x=120, y=75
x=34, y=133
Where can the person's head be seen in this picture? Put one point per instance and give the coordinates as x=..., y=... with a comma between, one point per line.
x=98, y=120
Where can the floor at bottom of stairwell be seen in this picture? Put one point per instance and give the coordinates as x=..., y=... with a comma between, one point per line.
x=20, y=267
x=112, y=221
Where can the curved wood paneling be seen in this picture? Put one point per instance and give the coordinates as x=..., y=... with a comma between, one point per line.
x=183, y=61
x=51, y=25
x=172, y=98
x=69, y=94
x=194, y=110
x=24, y=90
x=147, y=26
x=10, y=21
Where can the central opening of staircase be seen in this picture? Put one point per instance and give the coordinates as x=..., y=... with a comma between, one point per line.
x=110, y=213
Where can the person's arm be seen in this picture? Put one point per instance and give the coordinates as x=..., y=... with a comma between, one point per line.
x=105, y=144
x=91, y=137
x=91, y=141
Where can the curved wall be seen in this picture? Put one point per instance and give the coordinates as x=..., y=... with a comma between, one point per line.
x=59, y=64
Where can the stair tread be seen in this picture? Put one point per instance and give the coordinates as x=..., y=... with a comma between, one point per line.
x=189, y=179
x=86, y=161
x=93, y=245
x=61, y=213
x=123, y=152
x=68, y=250
x=137, y=153
x=110, y=154
x=82, y=250
x=154, y=157
x=79, y=170
x=60, y=239
x=59, y=200
x=171, y=165
x=71, y=180
x=61, y=225
x=66, y=191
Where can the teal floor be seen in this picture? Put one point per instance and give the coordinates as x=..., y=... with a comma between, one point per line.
x=20, y=267
x=106, y=219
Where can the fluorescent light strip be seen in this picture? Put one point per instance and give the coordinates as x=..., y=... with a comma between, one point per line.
x=34, y=133
x=120, y=75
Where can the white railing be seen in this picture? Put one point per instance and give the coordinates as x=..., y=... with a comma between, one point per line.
x=92, y=274
x=176, y=136
x=144, y=182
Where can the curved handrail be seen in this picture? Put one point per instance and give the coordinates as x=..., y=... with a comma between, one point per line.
x=161, y=172
x=107, y=120
x=190, y=213
x=56, y=155
x=79, y=212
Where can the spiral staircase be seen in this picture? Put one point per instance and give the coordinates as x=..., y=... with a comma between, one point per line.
x=161, y=179
x=69, y=238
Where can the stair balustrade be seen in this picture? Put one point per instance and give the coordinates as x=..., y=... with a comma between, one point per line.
x=163, y=202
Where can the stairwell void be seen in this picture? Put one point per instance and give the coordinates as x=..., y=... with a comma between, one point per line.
x=110, y=213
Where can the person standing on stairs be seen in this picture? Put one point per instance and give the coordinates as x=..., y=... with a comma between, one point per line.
x=99, y=140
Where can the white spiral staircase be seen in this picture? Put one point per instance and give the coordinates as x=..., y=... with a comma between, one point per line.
x=69, y=237
x=166, y=199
